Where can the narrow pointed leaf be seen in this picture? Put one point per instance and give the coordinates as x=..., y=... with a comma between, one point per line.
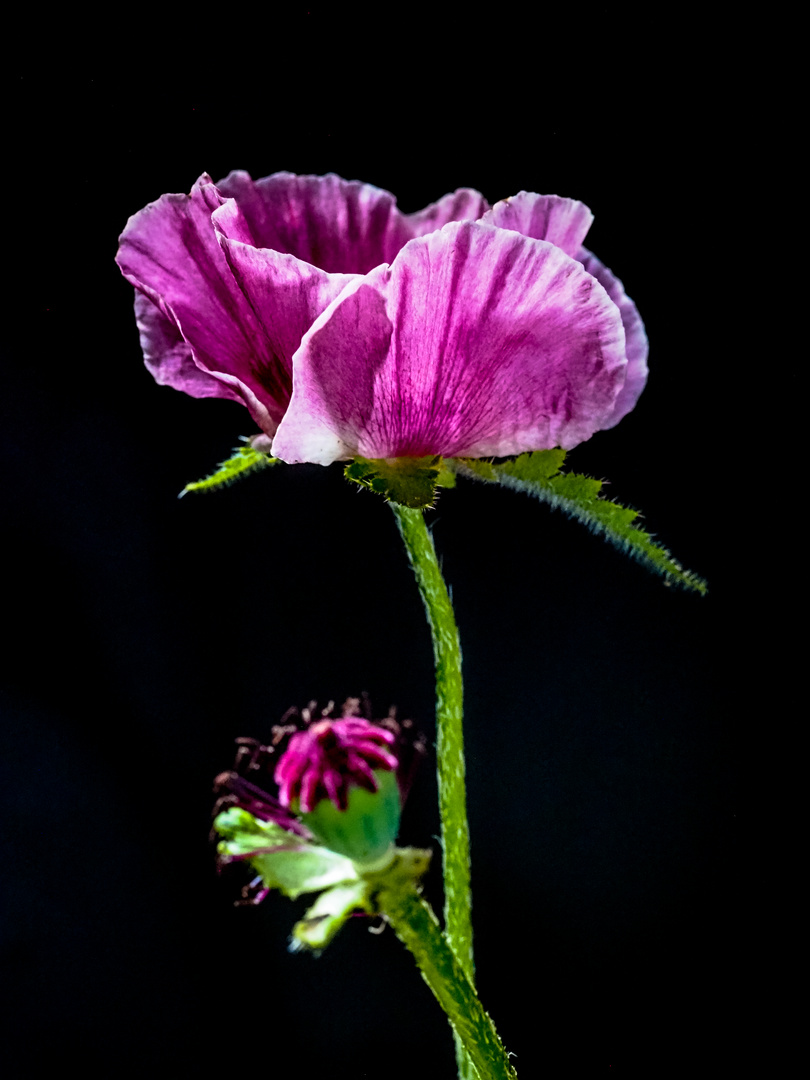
x=580, y=497
x=244, y=460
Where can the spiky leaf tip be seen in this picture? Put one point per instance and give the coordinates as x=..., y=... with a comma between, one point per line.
x=538, y=474
x=244, y=460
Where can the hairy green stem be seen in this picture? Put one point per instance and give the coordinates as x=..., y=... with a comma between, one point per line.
x=416, y=926
x=449, y=742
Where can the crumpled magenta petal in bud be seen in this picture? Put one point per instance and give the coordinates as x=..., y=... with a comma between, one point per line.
x=340, y=777
x=330, y=757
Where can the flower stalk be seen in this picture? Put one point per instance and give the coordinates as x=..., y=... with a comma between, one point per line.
x=455, y=836
x=415, y=924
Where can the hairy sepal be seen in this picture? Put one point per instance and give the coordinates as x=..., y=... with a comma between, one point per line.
x=410, y=482
x=538, y=473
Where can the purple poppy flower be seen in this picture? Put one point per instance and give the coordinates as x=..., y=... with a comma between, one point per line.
x=349, y=329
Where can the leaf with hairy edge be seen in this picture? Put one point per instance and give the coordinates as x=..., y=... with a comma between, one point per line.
x=538, y=473
x=244, y=460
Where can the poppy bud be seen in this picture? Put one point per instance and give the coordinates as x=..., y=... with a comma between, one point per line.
x=340, y=778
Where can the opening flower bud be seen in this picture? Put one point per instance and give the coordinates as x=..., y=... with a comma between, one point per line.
x=339, y=777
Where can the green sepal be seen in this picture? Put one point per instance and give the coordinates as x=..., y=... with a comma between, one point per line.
x=368, y=826
x=403, y=872
x=242, y=833
x=308, y=869
x=410, y=482
x=296, y=866
x=538, y=474
x=245, y=459
x=329, y=912
x=446, y=477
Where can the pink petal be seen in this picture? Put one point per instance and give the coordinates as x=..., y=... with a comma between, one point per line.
x=563, y=222
x=374, y=753
x=477, y=341
x=334, y=374
x=335, y=785
x=361, y=772
x=355, y=729
x=637, y=346
x=170, y=253
x=340, y=226
x=167, y=354
x=464, y=204
x=310, y=784
x=285, y=294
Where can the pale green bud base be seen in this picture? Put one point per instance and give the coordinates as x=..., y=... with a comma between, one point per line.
x=390, y=887
x=333, y=907
x=376, y=866
x=367, y=828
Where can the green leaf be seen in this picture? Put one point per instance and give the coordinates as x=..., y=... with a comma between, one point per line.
x=329, y=912
x=243, y=833
x=538, y=474
x=479, y=467
x=332, y=908
x=283, y=860
x=537, y=467
x=309, y=868
x=409, y=482
x=244, y=460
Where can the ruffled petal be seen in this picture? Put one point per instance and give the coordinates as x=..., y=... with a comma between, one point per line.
x=285, y=294
x=170, y=253
x=563, y=222
x=167, y=354
x=477, y=342
x=341, y=226
x=637, y=346
x=334, y=374
x=464, y=204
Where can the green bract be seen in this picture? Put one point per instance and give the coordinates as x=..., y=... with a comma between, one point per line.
x=580, y=497
x=285, y=861
x=296, y=866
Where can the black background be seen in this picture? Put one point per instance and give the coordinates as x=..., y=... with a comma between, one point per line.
x=148, y=633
